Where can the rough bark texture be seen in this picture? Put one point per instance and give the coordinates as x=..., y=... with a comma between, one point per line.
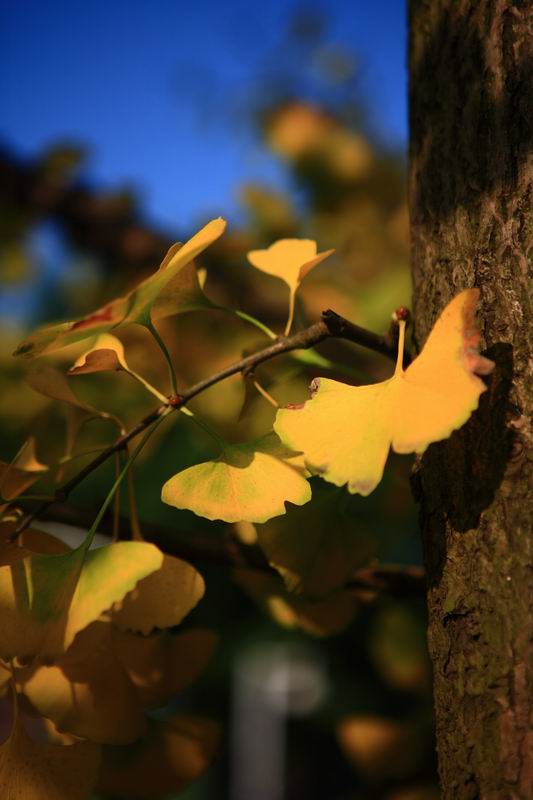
x=471, y=72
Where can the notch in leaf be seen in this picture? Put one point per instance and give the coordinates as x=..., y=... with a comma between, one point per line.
x=345, y=432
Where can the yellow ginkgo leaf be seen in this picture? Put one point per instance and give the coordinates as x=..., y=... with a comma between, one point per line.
x=47, y=597
x=290, y=260
x=248, y=482
x=345, y=432
x=136, y=306
x=33, y=771
x=106, y=354
x=87, y=692
x=162, y=599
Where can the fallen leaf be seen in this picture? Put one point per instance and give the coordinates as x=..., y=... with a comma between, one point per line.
x=134, y=307
x=247, y=482
x=346, y=431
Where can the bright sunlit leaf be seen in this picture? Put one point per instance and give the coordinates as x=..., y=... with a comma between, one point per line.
x=247, y=482
x=33, y=771
x=134, y=307
x=290, y=260
x=46, y=599
x=346, y=431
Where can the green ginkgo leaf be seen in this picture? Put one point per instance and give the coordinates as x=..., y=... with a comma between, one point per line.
x=247, y=482
x=47, y=597
x=137, y=305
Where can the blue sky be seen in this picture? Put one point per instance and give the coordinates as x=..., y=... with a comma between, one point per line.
x=149, y=86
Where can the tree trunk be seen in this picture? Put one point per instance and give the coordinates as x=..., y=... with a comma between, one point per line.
x=471, y=72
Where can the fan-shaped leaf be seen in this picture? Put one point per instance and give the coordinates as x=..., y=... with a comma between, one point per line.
x=162, y=599
x=45, y=600
x=346, y=431
x=34, y=771
x=288, y=259
x=316, y=548
x=88, y=692
x=250, y=482
x=136, y=306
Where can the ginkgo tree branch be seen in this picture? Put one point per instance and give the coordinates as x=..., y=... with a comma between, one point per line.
x=203, y=548
x=330, y=326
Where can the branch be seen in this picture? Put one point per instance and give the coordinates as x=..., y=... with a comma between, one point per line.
x=200, y=548
x=331, y=326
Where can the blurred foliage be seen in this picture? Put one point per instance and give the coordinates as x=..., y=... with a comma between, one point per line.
x=370, y=735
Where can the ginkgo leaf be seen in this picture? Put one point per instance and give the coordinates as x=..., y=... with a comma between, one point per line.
x=24, y=470
x=290, y=260
x=173, y=754
x=163, y=665
x=99, y=688
x=33, y=771
x=106, y=354
x=346, y=431
x=45, y=600
x=247, y=482
x=162, y=599
x=316, y=548
x=51, y=382
x=183, y=293
x=134, y=307
x=87, y=692
x=323, y=617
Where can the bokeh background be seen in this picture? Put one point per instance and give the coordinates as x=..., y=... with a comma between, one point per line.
x=124, y=127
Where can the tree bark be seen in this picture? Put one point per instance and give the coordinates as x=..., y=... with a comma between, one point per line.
x=470, y=186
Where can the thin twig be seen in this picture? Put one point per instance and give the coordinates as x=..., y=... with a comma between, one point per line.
x=331, y=326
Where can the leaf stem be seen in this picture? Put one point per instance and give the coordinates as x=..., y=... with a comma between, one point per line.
x=290, y=319
x=253, y=321
x=401, y=345
x=148, y=386
x=120, y=477
x=162, y=346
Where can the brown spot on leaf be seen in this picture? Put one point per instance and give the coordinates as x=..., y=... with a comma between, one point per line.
x=104, y=314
